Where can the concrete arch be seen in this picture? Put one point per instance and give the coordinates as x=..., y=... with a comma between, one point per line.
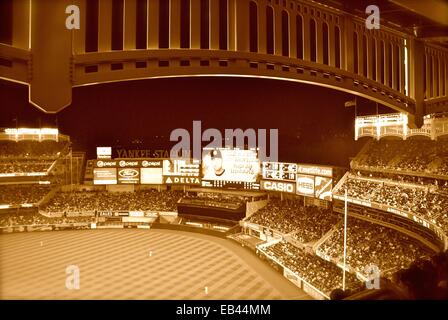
x=74, y=57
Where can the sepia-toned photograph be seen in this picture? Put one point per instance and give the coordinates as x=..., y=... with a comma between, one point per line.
x=223, y=156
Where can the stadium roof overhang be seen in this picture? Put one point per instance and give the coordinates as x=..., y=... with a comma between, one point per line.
x=427, y=20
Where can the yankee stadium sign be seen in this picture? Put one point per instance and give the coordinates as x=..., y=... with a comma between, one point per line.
x=142, y=153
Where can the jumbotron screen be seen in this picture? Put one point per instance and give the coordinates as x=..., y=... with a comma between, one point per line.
x=231, y=168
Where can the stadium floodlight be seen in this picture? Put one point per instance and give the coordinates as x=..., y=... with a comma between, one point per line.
x=351, y=103
x=31, y=131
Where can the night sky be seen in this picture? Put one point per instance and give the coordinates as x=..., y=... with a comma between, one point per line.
x=313, y=124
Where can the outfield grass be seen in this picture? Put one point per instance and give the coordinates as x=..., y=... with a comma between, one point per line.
x=135, y=264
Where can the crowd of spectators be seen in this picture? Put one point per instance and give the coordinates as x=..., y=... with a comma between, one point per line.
x=372, y=244
x=426, y=278
x=308, y=223
x=219, y=200
x=142, y=200
x=24, y=166
x=29, y=156
x=413, y=179
x=412, y=155
x=322, y=274
x=36, y=219
x=15, y=195
x=47, y=149
x=429, y=204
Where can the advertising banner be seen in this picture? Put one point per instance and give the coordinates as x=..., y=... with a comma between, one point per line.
x=128, y=175
x=105, y=163
x=315, y=170
x=323, y=187
x=182, y=180
x=279, y=186
x=151, y=176
x=305, y=185
x=103, y=176
x=104, y=152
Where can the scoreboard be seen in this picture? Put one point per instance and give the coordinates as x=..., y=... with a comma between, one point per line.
x=279, y=171
x=279, y=176
x=302, y=179
x=220, y=168
x=181, y=171
x=181, y=167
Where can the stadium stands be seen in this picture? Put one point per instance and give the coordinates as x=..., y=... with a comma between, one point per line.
x=412, y=156
x=426, y=278
x=8, y=220
x=31, y=149
x=371, y=244
x=24, y=166
x=307, y=223
x=429, y=203
x=143, y=200
x=219, y=200
x=26, y=157
x=321, y=274
x=14, y=195
x=398, y=174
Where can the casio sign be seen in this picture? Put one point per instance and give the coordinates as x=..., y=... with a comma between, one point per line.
x=278, y=186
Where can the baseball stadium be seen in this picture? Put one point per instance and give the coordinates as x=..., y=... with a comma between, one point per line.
x=223, y=150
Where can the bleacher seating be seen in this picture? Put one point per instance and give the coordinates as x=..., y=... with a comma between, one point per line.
x=29, y=156
x=143, y=200
x=307, y=223
x=320, y=273
x=420, y=156
x=16, y=195
x=372, y=244
x=36, y=219
x=218, y=200
x=428, y=203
